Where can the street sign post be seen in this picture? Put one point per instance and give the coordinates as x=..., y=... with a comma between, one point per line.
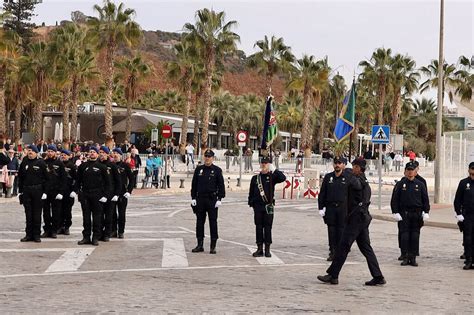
x=241, y=140
x=380, y=136
x=166, y=132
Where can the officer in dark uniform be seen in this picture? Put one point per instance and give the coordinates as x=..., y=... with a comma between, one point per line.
x=55, y=190
x=112, y=194
x=126, y=188
x=207, y=191
x=410, y=206
x=262, y=200
x=464, y=207
x=332, y=201
x=357, y=228
x=69, y=193
x=32, y=177
x=92, y=184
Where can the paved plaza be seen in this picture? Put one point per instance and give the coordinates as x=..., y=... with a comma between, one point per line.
x=153, y=270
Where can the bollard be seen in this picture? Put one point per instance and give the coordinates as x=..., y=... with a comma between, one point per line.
x=228, y=182
x=238, y=182
x=182, y=183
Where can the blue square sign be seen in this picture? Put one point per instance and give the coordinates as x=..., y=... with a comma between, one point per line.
x=381, y=134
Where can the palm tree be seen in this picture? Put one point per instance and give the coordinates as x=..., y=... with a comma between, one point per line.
x=133, y=71
x=431, y=72
x=377, y=70
x=334, y=95
x=465, y=77
x=312, y=80
x=274, y=57
x=404, y=80
x=113, y=27
x=213, y=38
x=221, y=113
x=171, y=101
x=290, y=114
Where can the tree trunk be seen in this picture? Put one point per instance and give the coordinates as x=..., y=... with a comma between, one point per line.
x=187, y=106
x=74, y=88
x=354, y=136
x=306, y=130
x=66, y=129
x=207, y=99
x=381, y=100
x=128, y=122
x=322, y=124
x=196, y=124
x=3, y=109
x=219, y=135
x=18, y=111
x=38, y=120
x=268, y=83
x=109, y=77
x=396, y=110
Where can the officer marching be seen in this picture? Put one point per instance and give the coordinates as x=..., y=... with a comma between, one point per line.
x=32, y=177
x=261, y=199
x=410, y=206
x=207, y=191
x=464, y=207
x=126, y=188
x=332, y=202
x=69, y=193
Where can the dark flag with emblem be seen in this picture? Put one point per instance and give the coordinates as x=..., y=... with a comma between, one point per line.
x=270, y=128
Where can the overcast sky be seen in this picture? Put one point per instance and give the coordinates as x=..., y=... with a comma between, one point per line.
x=345, y=31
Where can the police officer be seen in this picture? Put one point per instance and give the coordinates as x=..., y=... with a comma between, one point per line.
x=261, y=199
x=357, y=228
x=69, y=193
x=92, y=184
x=126, y=188
x=31, y=181
x=54, y=189
x=207, y=191
x=332, y=201
x=410, y=206
x=112, y=193
x=464, y=207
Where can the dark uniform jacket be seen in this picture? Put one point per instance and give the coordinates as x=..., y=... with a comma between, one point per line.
x=358, y=195
x=56, y=176
x=114, y=179
x=126, y=177
x=208, y=182
x=71, y=172
x=464, y=199
x=92, y=177
x=410, y=195
x=4, y=159
x=32, y=173
x=333, y=193
x=421, y=179
x=268, y=181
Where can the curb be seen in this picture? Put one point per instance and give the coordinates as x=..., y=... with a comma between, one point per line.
x=443, y=225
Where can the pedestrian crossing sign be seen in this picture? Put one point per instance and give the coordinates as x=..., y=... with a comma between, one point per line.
x=380, y=134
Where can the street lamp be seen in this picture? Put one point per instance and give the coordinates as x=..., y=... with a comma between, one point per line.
x=439, y=118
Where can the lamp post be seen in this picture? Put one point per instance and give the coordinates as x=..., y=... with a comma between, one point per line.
x=439, y=118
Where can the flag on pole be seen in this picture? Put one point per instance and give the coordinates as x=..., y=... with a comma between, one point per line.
x=345, y=123
x=270, y=128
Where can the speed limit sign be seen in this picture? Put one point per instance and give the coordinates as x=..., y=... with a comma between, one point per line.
x=242, y=136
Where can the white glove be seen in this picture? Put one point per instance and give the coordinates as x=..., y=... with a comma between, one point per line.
x=72, y=195
x=272, y=168
x=460, y=218
x=44, y=197
x=59, y=197
x=426, y=216
x=114, y=198
x=126, y=195
x=218, y=204
x=322, y=212
x=397, y=217
x=20, y=195
x=103, y=199
x=193, y=202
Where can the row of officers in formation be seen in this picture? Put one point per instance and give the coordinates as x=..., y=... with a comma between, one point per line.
x=50, y=186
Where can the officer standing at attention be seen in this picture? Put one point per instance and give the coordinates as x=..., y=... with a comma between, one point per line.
x=207, y=191
x=357, y=228
x=69, y=193
x=332, y=202
x=54, y=189
x=261, y=199
x=92, y=184
x=31, y=180
x=464, y=207
x=126, y=188
x=112, y=194
x=410, y=206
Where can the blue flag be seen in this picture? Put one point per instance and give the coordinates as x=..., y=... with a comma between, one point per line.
x=346, y=120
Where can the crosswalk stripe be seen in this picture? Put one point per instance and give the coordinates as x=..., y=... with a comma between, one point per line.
x=274, y=260
x=174, y=253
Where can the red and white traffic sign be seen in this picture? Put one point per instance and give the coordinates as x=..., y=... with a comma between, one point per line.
x=166, y=132
x=242, y=136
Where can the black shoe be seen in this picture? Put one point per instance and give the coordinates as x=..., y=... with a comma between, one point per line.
x=26, y=239
x=402, y=256
x=376, y=281
x=468, y=264
x=259, y=252
x=114, y=234
x=328, y=279
x=330, y=257
x=44, y=235
x=413, y=262
x=213, y=247
x=37, y=239
x=462, y=256
x=95, y=242
x=84, y=241
x=66, y=231
x=105, y=239
x=120, y=235
x=268, y=254
x=405, y=261
x=199, y=247
x=60, y=231
x=54, y=235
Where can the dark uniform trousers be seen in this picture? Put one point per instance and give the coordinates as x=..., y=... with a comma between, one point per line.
x=263, y=225
x=52, y=213
x=31, y=199
x=468, y=237
x=410, y=231
x=119, y=218
x=66, y=211
x=92, y=208
x=206, y=206
x=335, y=219
x=357, y=229
x=108, y=217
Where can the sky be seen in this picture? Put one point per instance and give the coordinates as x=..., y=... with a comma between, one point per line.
x=345, y=31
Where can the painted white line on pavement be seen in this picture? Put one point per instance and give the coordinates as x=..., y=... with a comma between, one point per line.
x=71, y=260
x=274, y=260
x=134, y=214
x=174, y=253
x=172, y=214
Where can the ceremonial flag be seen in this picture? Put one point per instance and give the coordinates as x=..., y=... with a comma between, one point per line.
x=345, y=123
x=270, y=128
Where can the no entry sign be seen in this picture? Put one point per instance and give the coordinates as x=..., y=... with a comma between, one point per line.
x=166, y=132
